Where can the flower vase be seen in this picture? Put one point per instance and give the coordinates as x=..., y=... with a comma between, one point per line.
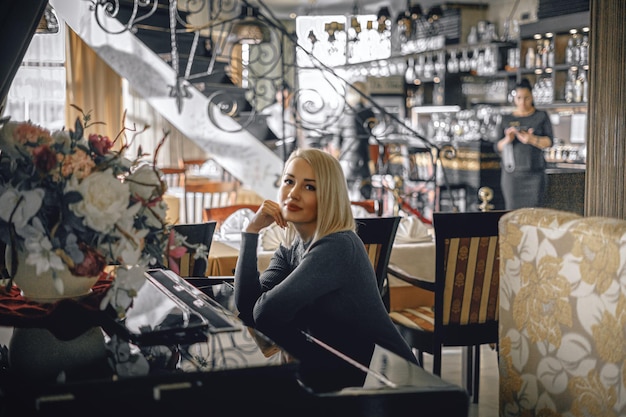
x=42, y=288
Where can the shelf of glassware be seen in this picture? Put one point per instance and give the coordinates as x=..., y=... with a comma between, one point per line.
x=557, y=65
x=461, y=75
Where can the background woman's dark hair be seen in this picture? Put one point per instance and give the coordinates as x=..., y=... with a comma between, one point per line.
x=524, y=83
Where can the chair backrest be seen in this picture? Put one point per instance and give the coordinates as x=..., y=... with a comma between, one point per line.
x=378, y=234
x=219, y=214
x=562, y=313
x=194, y=165
x=466, y=277
x=201, y=194
x=174, y=177
x=195, y=234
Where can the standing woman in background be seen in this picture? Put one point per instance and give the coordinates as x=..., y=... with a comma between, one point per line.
x=526, y=132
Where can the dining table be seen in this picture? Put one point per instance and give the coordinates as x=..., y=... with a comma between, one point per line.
x=416, y=258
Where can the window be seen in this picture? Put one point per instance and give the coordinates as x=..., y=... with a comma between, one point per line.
x=38, y=89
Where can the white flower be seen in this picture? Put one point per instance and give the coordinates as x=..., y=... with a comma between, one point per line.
x=127, y=283
x=105, y=200
x=62, y=137
x=127, y=250
x=145, y=183
x=41, y=255
x=25, y=210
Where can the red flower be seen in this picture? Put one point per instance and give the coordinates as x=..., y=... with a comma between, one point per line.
x=100, y=144
x=44, y=158
x=92, y=265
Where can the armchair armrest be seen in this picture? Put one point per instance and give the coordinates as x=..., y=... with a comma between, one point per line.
x=401, y=274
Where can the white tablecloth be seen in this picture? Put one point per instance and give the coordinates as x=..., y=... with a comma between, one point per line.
x=417, y=259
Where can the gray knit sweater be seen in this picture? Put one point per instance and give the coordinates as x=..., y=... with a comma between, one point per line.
x=331, y=293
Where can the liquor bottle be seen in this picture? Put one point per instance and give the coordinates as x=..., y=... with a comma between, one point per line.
x=544, y=53
x=578, y=90
x=569, y=51
x=550, y=54
x=538, y=54
x=569, y=86
x=577, y=43
x=584, y=50
x=530, y=58
x=585, y=86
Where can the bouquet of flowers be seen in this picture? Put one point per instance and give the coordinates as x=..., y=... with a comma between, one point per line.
x=70, y=201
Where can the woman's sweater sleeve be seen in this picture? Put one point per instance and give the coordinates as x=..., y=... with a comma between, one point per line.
x=323, y=270
x=247, y=285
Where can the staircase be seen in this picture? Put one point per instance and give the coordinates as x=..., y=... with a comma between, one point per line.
x=206, y=106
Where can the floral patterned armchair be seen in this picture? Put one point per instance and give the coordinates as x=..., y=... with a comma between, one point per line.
x=562, y=328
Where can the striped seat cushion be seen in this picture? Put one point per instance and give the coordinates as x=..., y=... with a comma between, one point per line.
x=420, y=318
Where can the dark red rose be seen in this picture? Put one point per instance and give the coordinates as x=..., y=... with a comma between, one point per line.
x=44, y=158
x=100, y=144
x=92, y=265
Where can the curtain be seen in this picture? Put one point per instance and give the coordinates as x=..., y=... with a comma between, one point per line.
x=94, y=87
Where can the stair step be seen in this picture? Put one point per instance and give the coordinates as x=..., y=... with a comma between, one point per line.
x=158, y=39
x=160, y=18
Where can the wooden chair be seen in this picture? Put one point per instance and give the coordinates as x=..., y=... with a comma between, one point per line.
x=174, y=177
x=378, y=234
x=201, y=194
x=219, y=214
x=465, y=292
x=195, y=233
x=193, y=165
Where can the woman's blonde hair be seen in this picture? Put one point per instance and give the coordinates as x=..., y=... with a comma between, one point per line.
x=334, y=211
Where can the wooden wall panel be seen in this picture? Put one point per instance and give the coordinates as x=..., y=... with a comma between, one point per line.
x=605, y=193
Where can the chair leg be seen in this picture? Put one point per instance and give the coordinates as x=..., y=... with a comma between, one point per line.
x=476, y=372
x=437, y=361
x=468, y=369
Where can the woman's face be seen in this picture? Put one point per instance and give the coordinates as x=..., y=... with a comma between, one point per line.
x=298, y=197
x=523, y=99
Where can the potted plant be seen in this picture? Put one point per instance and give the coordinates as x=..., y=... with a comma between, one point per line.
x=73, y=208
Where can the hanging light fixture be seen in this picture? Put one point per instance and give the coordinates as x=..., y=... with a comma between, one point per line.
x=383, y=19
x=333, y=27
x=434, y=14
x=249, y=29
x=416, y=12
x=355, y=25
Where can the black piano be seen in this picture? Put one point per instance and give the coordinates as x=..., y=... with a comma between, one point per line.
x=181, y=350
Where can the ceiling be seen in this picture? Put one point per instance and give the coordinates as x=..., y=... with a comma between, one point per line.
x=283, y=8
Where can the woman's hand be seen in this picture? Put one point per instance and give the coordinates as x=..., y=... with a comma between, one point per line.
x=528, y=137
x=524, y=135
x=509, y=136
x=268, y=213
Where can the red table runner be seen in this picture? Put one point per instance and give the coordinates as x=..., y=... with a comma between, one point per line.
x=66, y=319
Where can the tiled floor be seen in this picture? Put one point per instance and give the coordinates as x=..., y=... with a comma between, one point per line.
x=451, y=371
